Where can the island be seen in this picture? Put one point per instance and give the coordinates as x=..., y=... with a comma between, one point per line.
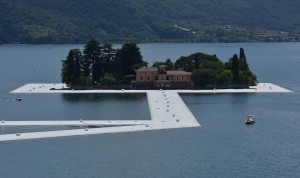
x=100, y=69
x=100, y=66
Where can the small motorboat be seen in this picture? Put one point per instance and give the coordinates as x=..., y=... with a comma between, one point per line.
x=19, y=99
x=250, y=119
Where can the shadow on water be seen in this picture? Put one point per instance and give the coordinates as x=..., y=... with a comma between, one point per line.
x=95, y=97
x=234, y=98
x=105, y=106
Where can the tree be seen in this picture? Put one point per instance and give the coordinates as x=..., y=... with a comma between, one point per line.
x=243, y=65
x=169, y=64
x=64, y=72
x=194, y=61
x=140, y=65
x=107, y=80
x=157, y=63
x=242, y=54
x=224, y=78
x=71, y=67
x=197, y=77
x=68, y=68
x=250, y=77
x=202, y=77
x=77, y=68
x=235, y=69
x=108, y=57
x=118, y=73
x=101, y=58
x=184, y=63
x=85, y=81
x=128, y=79
x=92, y=60
x=130, y=58
x=242, y=73
x=199, y=58
x=218, y=66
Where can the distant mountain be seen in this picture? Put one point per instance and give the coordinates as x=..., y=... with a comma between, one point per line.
x=76, y=21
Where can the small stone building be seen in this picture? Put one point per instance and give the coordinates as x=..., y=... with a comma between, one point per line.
x=159, y=77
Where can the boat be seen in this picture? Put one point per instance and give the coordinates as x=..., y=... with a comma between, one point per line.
x=19, y=99
x=250, y=119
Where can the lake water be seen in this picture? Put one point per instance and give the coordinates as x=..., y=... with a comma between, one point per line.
x=223, y=147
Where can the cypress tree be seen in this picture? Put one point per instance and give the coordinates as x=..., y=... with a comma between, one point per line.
x=70, y=67
x=77, y=67
x=235, y=69
x=119, y=74
x=242, y=54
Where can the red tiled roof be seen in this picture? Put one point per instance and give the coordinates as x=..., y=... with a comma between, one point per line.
x=162, y=65
x=169, y=72
x=178, y=72
x=145, y=69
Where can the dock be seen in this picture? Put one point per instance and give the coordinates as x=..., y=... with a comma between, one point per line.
x=167, y=110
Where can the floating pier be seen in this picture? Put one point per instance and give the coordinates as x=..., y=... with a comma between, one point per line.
x=167, y=110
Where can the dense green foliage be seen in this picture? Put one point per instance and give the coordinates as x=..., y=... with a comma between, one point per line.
x=240, y=69
x=100, y=65
x=76, y=21
x=128, y=59
x=168, y=63
x=209, y=70
x=193, y=61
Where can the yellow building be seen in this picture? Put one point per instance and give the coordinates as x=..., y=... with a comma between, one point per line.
x=159, y=77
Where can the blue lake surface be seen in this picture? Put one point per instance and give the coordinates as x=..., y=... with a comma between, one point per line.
x=223, y=147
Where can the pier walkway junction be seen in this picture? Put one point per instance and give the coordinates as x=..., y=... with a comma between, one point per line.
x=167, y=110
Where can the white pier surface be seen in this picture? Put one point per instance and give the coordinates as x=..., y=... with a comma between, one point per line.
x=167, y=110
x=46, y=88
